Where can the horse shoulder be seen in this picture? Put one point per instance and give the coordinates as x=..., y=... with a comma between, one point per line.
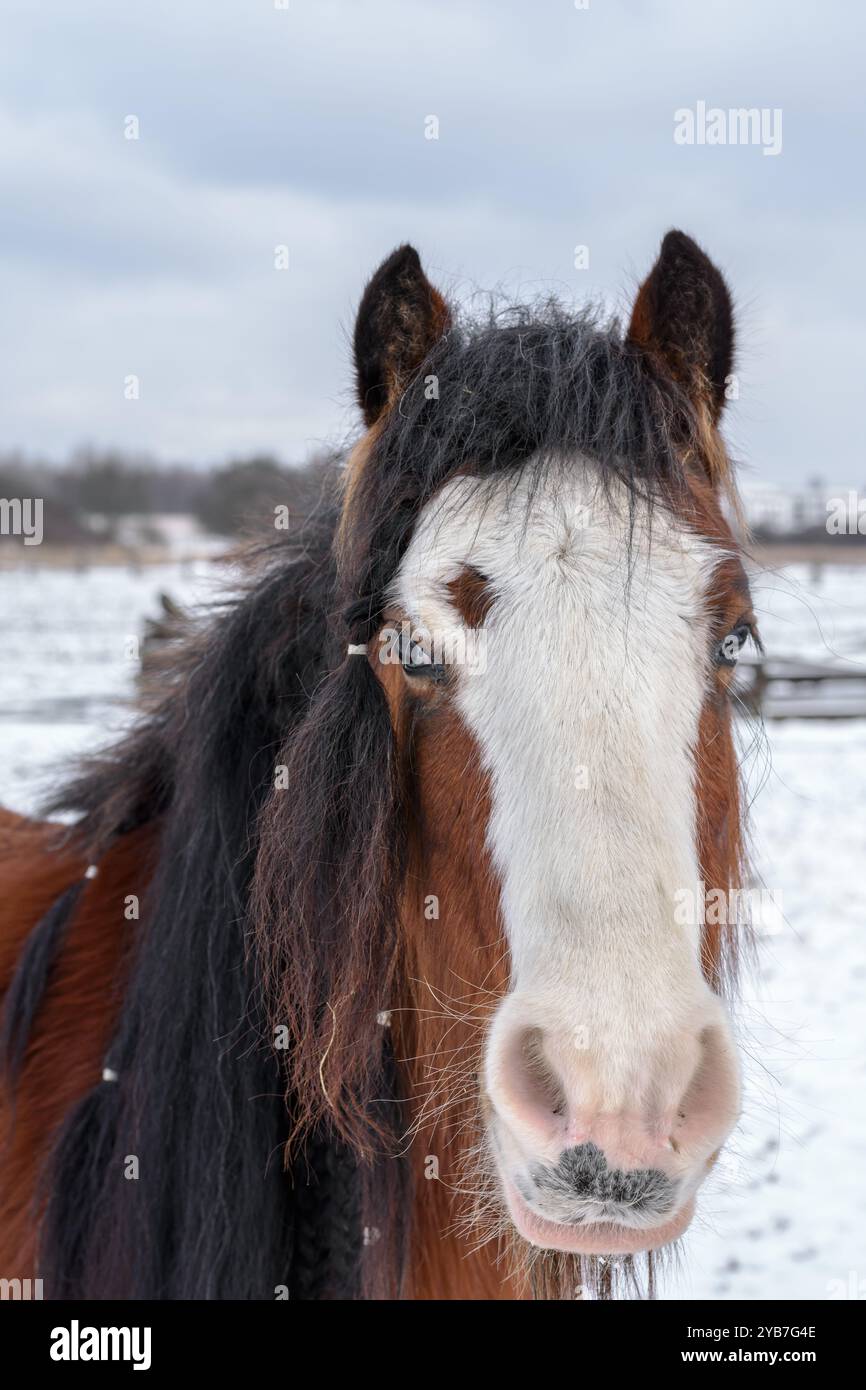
x=76, y=1015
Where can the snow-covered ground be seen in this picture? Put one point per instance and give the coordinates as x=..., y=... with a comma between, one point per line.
x=69, y=660
x=785, y=1213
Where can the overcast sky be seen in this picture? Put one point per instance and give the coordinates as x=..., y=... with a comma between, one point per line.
x=305, y=127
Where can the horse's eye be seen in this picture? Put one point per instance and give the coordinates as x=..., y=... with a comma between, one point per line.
x=727, y=651
x=418, y=663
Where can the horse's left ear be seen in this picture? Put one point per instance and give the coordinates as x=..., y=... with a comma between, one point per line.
x=400, y=318
x=684, y=319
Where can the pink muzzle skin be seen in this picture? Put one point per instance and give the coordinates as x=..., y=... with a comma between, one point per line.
x=593, y=1238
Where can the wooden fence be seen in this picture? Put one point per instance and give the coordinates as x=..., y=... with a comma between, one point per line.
x=788, y=688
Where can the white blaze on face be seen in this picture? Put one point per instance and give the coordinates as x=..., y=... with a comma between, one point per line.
x=586, y=719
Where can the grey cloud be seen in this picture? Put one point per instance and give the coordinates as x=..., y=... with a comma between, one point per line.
x=305, y=127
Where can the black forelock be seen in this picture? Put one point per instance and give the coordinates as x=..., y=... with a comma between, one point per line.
x=518, y=384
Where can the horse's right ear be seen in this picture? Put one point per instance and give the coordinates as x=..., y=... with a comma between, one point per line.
x=684, y=319
x=401, y=317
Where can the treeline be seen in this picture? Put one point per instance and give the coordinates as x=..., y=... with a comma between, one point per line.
x=232, y=499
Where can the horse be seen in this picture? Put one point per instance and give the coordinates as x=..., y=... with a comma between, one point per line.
x=354, y=970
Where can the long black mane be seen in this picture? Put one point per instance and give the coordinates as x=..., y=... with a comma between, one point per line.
x=199, y=1098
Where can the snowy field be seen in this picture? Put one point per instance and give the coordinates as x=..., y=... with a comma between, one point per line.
x=784, y=1215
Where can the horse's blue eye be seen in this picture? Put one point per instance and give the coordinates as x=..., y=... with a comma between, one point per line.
x=414, y=655
x=418, y=663
x=727, y=651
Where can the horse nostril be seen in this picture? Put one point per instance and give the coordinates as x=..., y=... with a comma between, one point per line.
x=539, y=1082
x=711, y=1102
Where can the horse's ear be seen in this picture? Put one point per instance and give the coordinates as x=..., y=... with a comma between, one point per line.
x=401, y=317
x=683, y=318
